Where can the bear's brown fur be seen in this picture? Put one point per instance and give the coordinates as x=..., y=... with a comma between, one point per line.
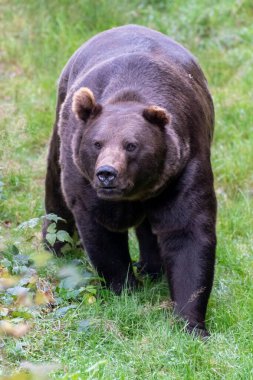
x=131, y=148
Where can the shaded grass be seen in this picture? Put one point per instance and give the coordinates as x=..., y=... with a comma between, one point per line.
x=133, y=336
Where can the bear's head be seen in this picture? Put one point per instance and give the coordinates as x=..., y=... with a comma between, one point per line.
x=122, y=148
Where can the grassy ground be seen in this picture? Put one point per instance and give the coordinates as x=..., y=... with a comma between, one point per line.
x=130, y=337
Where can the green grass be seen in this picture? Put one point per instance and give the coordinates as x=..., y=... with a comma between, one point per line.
x=132, y=336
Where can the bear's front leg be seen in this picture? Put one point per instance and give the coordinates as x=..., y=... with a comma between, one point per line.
x=189, y=264
x=108, y=252
x=184, y=220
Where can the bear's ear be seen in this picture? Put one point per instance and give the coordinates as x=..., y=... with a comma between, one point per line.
x=84, y=104
x=156, y=115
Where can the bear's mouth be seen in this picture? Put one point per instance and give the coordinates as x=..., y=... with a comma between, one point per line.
x=109, y=192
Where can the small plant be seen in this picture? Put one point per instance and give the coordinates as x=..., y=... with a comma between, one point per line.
x=25, y=293
x=53, y=235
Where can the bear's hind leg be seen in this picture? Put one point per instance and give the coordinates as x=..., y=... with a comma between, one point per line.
x=150, y=261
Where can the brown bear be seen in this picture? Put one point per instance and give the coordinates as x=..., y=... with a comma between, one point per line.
x=131, y=148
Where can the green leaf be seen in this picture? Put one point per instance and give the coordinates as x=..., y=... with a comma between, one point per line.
x=51, y=228
x=84, y=325
x=54, y=217
x=66, y=248
x=51, y=238
x=23, y=260
x=91, y=289
x=22, y=314
x=64, y=236
x=14, y=250
x=59, y=313
x=17, y=290
x=29, y=224
x=69, y=283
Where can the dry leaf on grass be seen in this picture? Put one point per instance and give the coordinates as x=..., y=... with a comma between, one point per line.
x=16, y=331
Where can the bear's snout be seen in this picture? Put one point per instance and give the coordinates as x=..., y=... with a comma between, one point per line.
x=106, y=175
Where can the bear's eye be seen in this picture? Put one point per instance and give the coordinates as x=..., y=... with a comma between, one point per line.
x=130, y=147
x=97, y=145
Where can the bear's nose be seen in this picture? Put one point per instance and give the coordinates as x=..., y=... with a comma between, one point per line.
x=106, y=175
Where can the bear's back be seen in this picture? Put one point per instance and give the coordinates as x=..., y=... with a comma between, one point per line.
x=126, y=41
x=161, y=71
